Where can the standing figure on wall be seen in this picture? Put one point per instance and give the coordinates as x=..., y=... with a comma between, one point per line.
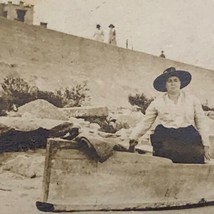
x=162, y=54
x=112, y=35
x=99, y=34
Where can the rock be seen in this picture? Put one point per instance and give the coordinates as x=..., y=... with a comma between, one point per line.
x=79, y=122
x=86, y=111
x=131, y=118
x=22, y=134
x=42, y=109
x=210, y=114
x=123, y=134
x=94, y=126
x=84, y=123
x=29, y=123
x=30, y=166
x=4, y=129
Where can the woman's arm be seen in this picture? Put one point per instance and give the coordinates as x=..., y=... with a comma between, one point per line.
x=200, y=122
x=145, y=124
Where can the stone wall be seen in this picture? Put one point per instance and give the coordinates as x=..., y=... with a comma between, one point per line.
x=52, y=59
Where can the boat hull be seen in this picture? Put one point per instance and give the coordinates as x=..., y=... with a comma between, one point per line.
x=125, y=180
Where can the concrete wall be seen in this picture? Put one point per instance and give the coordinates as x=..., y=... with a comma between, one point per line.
x=52, y=59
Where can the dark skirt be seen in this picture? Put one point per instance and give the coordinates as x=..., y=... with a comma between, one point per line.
x=182, y=145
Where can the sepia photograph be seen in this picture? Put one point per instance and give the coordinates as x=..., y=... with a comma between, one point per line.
x=106, y=106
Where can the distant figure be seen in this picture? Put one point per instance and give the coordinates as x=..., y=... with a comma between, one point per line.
x=112, y=35
x=127, y=43
x=99, y=34
x=162, y=54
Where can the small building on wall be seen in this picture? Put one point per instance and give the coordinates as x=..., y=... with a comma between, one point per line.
x=19, y=12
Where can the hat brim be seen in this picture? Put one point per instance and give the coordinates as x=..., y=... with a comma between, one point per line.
x=160, y=82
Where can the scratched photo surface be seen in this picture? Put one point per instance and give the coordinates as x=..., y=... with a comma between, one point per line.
x=79, y=103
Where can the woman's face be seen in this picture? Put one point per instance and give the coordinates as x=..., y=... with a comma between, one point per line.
x=173, y=85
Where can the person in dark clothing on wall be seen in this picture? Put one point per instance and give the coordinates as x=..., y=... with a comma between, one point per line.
x=162, y=54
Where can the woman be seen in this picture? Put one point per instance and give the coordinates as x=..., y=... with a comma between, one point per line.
x=99, y=34
x=181, y=134
x=112, y=35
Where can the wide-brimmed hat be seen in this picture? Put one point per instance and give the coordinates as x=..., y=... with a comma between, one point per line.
x=111, y=25
x=160, y=82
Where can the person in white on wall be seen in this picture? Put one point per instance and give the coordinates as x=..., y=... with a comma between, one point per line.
x=99, y=34
x=112, y=35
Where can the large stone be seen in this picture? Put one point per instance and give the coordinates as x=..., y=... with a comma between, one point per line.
x=41, y=109
x=26, y=164
x=94, y=126
x=87, y=111
x=131, y=118
x=27, y=123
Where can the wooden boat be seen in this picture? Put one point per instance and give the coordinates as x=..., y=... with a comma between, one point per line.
x=126, y=181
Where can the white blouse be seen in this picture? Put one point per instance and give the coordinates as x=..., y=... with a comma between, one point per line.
x=99, y=35
x=187, y=111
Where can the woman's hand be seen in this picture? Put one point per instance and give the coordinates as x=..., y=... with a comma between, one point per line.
x=132, y=144
x=207, y=153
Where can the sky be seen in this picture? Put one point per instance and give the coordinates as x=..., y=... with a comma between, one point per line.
x=182, y=28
